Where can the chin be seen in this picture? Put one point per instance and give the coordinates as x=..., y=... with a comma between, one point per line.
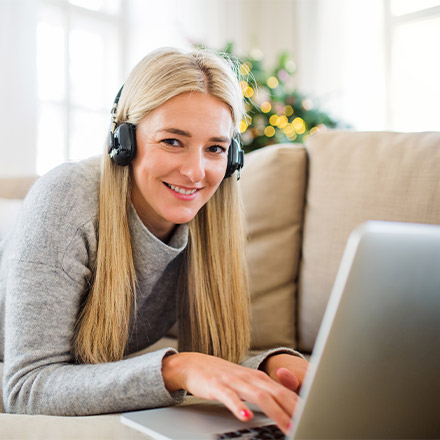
x=181, y=218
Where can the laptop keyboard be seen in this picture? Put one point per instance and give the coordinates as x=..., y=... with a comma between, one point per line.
x=261, y=432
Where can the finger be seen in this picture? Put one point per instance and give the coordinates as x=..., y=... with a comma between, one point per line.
x=278, y=404
x=234, y=403
x=287, y=379
x=284, y=397
x=272, y=408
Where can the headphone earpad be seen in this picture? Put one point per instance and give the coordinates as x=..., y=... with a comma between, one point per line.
x=122, y=144
x=235, y=158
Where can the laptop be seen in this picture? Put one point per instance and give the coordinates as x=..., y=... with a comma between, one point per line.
x=375, y=367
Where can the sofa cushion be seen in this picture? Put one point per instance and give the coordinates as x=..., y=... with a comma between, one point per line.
x=16, y=187
x=354, y=177
x=273, y=184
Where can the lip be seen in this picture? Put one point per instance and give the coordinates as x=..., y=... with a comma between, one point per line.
x=186, y=197
x=186, y=188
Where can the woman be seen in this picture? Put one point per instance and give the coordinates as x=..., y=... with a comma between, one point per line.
x=106, y=258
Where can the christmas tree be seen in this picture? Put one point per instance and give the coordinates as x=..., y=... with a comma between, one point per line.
x=277, y=112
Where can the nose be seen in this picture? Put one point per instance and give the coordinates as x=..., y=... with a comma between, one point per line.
x=193, y=166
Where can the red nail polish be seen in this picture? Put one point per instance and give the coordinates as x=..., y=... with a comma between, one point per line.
x=245, y=413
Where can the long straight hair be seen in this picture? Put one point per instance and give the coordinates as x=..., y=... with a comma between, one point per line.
x=213, y=304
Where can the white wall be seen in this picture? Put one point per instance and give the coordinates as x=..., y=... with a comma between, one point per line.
x=18, y=106
x=268, y=25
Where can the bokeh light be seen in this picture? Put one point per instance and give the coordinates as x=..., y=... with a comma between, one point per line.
x=266, y=107
x=248, y=92
x=288, y=110
x=245, y=69
x=273, y=120
x=272, y=82
x=299, y=125
x=269, y=131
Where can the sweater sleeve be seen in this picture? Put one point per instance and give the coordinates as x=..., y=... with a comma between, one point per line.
x=39, y=374
x=48, y=271
x=256, y=361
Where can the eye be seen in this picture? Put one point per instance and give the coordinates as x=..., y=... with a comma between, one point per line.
x=216, y=149
x=171, y=142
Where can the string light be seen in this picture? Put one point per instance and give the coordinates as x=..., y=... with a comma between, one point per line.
x=288, y=110
x=273, y=103
x=248, y=92
x=289, y=130
x=314, y=130
x=269, y=131
x=266, y=107
x=246, y=89
x=282, y=121
x=272, y=82
x=273, y=120
x=299, y=125
x=245, y=69
x=243, y=126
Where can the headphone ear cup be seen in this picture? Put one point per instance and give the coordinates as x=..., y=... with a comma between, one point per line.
x=235, y=158
x=122, y=144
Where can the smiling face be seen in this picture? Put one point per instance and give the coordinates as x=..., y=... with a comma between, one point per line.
x=182, y=150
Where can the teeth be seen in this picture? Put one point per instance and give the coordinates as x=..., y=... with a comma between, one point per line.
x=181, y=190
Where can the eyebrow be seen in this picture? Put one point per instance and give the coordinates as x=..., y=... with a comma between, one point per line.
x=188, y=134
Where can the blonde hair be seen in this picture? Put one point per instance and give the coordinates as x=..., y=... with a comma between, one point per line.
x=213, y=285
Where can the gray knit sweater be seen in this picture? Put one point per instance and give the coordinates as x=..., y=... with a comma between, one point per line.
x=45, y=271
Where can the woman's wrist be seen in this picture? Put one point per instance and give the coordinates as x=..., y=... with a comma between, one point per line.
x=266, y=364
x=171, y=369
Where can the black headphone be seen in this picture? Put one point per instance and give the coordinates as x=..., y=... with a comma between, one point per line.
x=122, y=144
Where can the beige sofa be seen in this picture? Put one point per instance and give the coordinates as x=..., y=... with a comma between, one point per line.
x=302, y=202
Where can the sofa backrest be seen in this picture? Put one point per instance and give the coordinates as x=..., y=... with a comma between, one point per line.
x=15, y=187
x=273, y=185
x=354, y=177
x=12, y=191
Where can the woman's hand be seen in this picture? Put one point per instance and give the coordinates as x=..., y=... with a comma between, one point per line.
x=212, y=378
x=286, y=369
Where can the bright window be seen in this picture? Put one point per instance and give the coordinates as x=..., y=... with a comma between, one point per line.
x=79, y=65
x=414, y=65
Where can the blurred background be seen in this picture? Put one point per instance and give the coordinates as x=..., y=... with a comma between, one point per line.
x=317, y=64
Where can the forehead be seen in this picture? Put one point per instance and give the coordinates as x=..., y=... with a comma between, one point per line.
x=194, y=112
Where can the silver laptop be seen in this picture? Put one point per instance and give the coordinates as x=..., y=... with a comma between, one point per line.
x=375, y=368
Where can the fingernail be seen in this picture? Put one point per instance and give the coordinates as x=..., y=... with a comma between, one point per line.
x=245, y=414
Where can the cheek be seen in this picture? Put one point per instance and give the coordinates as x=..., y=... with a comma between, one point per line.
x=218, y=172
x=146, y=167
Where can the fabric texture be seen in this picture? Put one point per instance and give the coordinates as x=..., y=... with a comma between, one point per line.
x=273, y=184
x=355, y=177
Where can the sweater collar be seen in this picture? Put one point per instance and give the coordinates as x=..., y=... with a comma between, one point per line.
x=150, y=251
